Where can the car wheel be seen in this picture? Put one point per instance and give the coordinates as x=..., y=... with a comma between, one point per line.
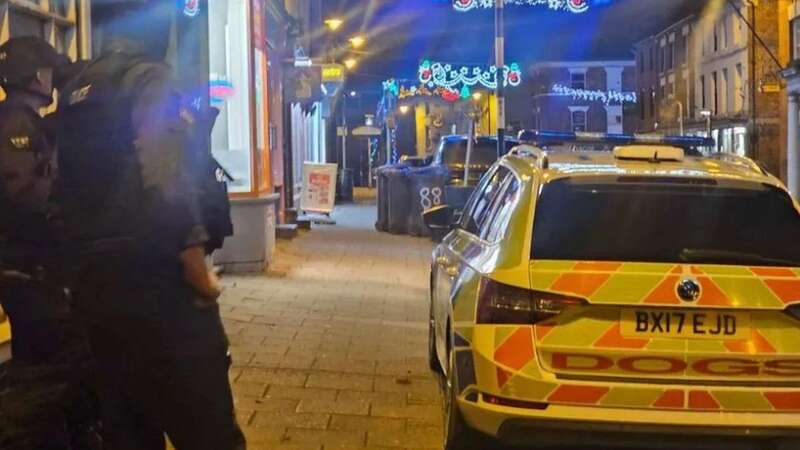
x=433, y=358
x=457, y=434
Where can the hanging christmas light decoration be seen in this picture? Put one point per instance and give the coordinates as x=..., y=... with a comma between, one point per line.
x=436, y=74
x=573, y=6
x=607, y=97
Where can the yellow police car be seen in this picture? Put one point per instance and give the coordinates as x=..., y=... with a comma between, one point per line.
x=639, y=296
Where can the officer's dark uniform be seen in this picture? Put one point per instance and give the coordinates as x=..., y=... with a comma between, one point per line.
x=43, y=401
x=162, y=360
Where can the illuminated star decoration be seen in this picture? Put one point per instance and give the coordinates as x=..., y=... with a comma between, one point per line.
x=460, y=79
x=607, y=97
x=573, y=6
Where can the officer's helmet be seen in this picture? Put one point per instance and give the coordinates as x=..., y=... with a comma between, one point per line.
x=28, y=63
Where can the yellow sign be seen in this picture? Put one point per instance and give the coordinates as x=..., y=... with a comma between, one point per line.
x=688, y=324
x=332, y=72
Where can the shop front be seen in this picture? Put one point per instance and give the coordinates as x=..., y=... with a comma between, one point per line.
x=239, y=72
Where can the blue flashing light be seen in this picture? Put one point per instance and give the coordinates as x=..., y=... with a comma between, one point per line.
x=557, y=137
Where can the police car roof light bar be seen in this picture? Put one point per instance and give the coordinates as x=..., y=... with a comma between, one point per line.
x=557, y=137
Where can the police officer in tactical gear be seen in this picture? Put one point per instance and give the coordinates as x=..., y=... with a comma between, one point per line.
x=133, y=215
x=44, y=403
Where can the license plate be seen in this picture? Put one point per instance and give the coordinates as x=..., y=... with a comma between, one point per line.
x=687, y=324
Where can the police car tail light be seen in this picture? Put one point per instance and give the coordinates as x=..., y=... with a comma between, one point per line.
x=503, y=304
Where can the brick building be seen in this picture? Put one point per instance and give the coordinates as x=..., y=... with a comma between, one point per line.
x=707, y=72
x=594, y=96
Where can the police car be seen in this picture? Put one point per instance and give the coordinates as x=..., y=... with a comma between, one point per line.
x=626, y=294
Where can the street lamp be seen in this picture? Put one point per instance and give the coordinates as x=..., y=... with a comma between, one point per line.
x=358, y=41
x=404, y=109
x=334, y=23
x=353, y=93
x=476, y=96
x=350, y=63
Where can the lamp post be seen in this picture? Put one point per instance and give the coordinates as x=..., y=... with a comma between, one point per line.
x=499, y=54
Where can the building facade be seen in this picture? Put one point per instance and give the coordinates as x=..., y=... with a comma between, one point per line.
x=596, y=96
x=708, y=75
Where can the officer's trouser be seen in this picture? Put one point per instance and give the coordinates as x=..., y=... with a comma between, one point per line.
x=32, y=413
x=46, y=401
x=145, y=396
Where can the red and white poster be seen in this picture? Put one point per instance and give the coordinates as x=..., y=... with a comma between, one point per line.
x=319, y=187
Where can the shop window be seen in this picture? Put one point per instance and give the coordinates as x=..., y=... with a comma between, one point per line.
x=727, y=140
x=740, y=141
x=22, y=24
x=229, y=63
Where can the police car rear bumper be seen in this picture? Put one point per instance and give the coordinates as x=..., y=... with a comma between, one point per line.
x=567, y=426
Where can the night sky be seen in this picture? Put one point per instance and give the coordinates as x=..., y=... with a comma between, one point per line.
x=402, y=32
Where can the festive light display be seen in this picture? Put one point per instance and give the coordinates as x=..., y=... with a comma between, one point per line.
x=607, y=97
x=573, y=6
x=402, y=92
x=436, y=74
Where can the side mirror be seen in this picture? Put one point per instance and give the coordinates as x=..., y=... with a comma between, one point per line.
x=439, y=218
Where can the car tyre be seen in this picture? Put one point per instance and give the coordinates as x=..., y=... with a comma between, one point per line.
x=433, y=358
x=457, y=434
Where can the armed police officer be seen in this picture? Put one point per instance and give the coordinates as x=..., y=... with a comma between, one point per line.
x=133, y=212
x=44, y=403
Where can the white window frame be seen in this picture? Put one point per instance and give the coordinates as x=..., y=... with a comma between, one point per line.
x=582, y=73
x=585, y=111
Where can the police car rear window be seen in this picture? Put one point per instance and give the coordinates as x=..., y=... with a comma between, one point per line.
x=666, y=222
x=484, y=152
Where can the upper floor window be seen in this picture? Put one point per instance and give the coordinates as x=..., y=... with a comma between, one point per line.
x=578, y=80
x=796, y=38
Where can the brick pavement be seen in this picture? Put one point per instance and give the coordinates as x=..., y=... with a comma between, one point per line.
x=330, y=348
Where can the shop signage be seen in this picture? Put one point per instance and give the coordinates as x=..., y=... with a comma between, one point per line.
x=303, y=84
x=332, y=73
x=319, y=187
x=367, y=130
x=770, y=88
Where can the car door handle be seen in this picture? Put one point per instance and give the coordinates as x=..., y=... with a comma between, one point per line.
x=452, y=271
x=442, y=261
